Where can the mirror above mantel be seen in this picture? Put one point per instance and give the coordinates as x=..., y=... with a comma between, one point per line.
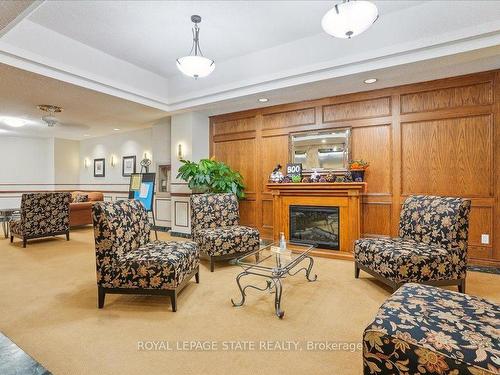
x=321, y=150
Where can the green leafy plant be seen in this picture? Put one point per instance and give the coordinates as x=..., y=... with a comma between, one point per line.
x=211, y=176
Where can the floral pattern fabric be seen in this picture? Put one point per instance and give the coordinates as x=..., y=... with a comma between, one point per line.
x=215, y=225
x=435, y=220
x=79, y=198
x=402, y=261
x=427, y=330
x=432, y=243
x=227, y=240
x=42, y=214
x=125, y=256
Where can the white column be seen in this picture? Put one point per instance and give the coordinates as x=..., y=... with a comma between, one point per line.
x=190, y=131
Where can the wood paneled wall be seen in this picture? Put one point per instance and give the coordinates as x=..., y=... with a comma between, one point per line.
x=440, y=137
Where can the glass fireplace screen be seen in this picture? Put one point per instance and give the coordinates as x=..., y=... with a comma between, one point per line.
x=315, y=225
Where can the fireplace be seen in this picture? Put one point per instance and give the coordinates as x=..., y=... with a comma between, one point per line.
x=342, y=197
x=317, y=225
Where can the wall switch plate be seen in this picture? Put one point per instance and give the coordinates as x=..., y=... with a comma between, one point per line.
x=485, y=239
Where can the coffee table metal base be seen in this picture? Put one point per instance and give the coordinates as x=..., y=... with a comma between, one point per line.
x=273, y=282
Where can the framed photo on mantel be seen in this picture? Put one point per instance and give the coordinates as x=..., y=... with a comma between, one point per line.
x=128, y=165
x=99, y=167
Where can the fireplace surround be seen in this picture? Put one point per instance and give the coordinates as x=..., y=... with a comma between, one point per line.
x=345, y=197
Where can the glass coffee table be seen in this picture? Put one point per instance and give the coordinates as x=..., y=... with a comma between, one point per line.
x=273, y=265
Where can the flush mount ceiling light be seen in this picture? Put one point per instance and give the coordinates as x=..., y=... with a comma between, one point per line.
x=195, y=65
x=116, y=129
x=51, y=119
x=263, y=100
x=370, y=80
x=14, y=122
x=349, y=18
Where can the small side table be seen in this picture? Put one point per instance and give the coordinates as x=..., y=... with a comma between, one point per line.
x=6, y=214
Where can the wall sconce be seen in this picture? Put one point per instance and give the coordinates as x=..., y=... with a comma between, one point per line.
x=85, y=163
x=113, y=160
x=145, y=155
x=179, y=152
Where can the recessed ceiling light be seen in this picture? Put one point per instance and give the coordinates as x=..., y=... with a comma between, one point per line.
x=116, y=129
x=323, y=141
x=263, y=100
x=14, y=122
x=86, y=135
x=370, y=80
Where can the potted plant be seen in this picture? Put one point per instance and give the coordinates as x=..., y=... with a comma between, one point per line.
x=358, y=168
x=211, y=176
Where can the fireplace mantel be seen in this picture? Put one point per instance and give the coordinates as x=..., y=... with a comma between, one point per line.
x=346, y=196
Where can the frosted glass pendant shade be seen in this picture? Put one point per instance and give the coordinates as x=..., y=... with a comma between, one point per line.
x=349, y=18
x=195, y=66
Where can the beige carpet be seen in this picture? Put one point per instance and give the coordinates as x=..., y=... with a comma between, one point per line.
x=48, y=307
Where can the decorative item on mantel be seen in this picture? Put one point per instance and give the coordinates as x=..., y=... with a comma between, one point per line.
x=315, y=176
x=354, y=174
x=276, y=175
x=357, y=169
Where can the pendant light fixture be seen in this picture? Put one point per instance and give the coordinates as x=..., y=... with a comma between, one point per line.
x=195, y=64
x=349, y=18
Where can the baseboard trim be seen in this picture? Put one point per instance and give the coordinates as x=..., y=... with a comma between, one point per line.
x=179, y=234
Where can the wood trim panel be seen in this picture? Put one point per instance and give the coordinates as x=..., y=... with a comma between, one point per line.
x=360, y=123
x=357, y=110
x=239, y=125
x=306, y=116
x=447, y=157
x=496, y=157
x=435, y=137
x=452, y=97
x=234, y=136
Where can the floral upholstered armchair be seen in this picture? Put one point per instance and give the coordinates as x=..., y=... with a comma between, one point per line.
x=42, y=215
x=215, y=220
x=128, y=262
x=421, y=329
x=431, y=247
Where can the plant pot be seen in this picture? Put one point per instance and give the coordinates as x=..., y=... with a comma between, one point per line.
x=358, y=175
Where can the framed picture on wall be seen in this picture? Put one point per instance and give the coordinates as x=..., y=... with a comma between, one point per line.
x=99, y=167
x=128, y=165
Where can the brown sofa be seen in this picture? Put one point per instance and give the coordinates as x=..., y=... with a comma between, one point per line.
x=80, y=213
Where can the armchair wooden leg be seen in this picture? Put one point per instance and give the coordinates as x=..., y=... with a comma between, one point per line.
x=67, y=236
x=101, y=295
x=173, y=300
x=11, y=239
x=197, y=277
x=461, y=286
x=24, y=242
x=356, y=270
x=212, y=264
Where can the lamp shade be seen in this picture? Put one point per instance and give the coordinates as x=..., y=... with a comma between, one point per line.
x=349, y=18
x=195, y=66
